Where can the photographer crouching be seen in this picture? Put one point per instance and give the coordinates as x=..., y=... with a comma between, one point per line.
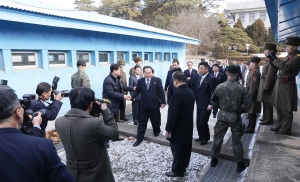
x=44, y=92
x=23, y=157
x=83, y=136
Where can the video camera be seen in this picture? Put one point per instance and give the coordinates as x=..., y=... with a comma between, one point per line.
x=3, y=82
x=96, y=109
x=25, y=102
x=64, y=93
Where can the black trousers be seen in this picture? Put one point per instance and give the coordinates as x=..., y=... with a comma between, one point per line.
x=215, y=110
x=202, y=124
x=135, y=110
x=181, y=157
x=154, y=116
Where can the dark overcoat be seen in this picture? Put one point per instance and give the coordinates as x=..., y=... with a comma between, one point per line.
x=115, y=94
x=180, y=115
x=252, y=84
x=267, y=82
x=284, y=96
x=83, y=137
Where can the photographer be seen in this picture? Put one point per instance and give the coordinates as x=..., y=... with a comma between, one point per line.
x=83, y=137
x=44, y=92
x=25, y=158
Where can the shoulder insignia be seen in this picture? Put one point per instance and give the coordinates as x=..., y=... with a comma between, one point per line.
x=254, y=78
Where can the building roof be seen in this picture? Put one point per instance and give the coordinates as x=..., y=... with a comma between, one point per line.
x=284, y=16
x=33, y=6
x=246, y=6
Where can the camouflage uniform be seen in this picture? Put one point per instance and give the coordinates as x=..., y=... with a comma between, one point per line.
x=80, y=79
x=231, y=96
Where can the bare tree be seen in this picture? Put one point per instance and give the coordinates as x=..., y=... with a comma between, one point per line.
x=199, y=25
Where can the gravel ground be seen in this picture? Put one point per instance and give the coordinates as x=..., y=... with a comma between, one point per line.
x=148, y=162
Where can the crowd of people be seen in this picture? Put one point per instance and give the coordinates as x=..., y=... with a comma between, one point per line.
x=223, y=90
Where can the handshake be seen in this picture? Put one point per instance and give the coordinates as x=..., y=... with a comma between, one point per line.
x=127, y=97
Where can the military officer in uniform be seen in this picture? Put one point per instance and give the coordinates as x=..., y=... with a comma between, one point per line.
x=80, y=78
x=284, y=97
x=124, y=80
x=252, y=84
x=230, y=97
x=138, y=62
x=266, y=86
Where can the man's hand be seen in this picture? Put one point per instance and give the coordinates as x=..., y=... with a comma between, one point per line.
x=167, y=134
x=127, y=97
x=58, y=96
x=209, y=107
x=134, y=88
x=163, y=105
x=103, y=106
x=37, y=120
x=188, y=78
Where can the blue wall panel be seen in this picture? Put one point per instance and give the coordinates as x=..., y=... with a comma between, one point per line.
x=21, y=36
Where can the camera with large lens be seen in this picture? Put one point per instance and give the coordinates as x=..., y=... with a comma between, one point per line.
x=96, y=109
x=25, y=102
x=64, y=93
x=3, y=82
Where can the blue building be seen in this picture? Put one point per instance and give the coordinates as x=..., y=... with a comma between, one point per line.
x=39, y=41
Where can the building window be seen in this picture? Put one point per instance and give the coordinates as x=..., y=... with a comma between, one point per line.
x=146, y=57
x=57, y=58
x=242, y=16
x=263, y=16
x=174, y=55
x=83, y=56
x=251, y=17
x=120, y=56
x=156, y=57
x=21, y=59
x=103, y=57
x=166, y=56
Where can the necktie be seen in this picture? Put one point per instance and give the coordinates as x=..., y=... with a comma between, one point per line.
x=202, y=78
x=190, y=72
x=148, y=82
x=215, y=75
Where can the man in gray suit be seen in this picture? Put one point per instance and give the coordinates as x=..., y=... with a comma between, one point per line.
x=83, y=137
x=243, y=68
x=136, y=101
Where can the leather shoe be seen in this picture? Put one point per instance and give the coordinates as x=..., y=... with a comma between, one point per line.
x=261, y=119
x=240, y=167
x=265, y=123
x=171, y=174
x=248, y=131
x=117, y=139
x=136, y=143
x=198, y=140
x=214, y=116
x=203, y=142
x=274, y=129
x=125, y=119
x=156, y=134
x=214, y=162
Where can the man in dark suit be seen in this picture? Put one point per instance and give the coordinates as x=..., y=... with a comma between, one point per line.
x=239, y=76
x=203, y=86
x=23, y=157
x=190, y=72
x=175, y=64
x=223, y=68
x=44, y=91
x=172, y=88
x=136, y=101
x=179, y=128
x=152, y=98
x=220, y=78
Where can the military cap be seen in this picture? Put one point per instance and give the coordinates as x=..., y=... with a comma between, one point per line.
x=294, y=41
x=270, y=46
x=255, y=59
x=137, y=59
x=202, y=59
x=121, y=62
x=232, y=69
x=81, y=63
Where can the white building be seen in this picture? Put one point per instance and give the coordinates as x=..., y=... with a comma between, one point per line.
x=249, y=11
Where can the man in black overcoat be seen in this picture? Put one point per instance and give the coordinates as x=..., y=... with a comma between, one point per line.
x=179, y=128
